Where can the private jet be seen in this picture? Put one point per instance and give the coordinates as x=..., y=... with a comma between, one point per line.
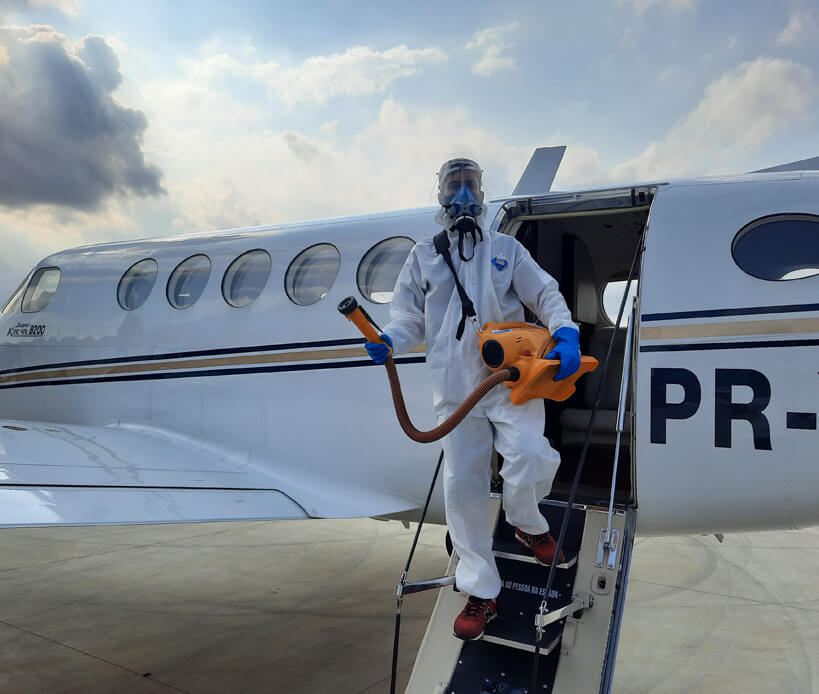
x=210, y=377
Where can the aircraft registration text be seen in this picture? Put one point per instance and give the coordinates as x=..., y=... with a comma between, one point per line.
x=726, y=408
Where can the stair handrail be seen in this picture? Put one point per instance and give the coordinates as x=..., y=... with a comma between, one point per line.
x=621, y=416
x=579, y=471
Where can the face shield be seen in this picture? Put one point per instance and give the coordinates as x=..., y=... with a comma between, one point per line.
x=459, y=186
x=461, y=199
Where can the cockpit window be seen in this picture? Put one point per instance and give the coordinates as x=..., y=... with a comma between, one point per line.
x=779, y=247
x=613, y=297
x=11, y=305
x=246, y=277
x=41, y=289
x=136, y=284
x=380, y=266
x=312, y=274
x=188, y=280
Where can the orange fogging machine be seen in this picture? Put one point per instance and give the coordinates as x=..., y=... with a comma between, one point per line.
x=514, y=352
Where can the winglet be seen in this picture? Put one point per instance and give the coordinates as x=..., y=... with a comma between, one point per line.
x=540, y=171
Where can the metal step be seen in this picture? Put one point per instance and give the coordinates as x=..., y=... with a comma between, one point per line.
x=485, y=661
x=427, y=584
x=550, y=640
x=574, y=639
x=514, y=556
x=505, y=546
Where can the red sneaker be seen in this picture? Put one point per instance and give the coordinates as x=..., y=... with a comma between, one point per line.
x=542, y=546
x=477, y=613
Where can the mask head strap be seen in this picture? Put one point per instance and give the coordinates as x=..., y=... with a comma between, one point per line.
x=467, y=226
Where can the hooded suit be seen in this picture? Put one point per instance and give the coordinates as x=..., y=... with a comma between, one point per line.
x=498, y=275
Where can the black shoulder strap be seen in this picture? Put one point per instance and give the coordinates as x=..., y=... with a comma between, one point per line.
x=441, y=241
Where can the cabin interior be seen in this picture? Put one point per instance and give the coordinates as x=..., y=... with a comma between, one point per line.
x=590, y=252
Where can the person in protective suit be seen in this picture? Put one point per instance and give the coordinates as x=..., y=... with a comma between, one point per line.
x=497, y=274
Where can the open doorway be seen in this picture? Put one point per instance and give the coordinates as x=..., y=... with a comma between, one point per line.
x=589, y=251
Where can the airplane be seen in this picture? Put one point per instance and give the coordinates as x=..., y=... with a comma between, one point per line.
x=209, y=377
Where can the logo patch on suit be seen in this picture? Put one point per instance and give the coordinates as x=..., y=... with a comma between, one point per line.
x=500, y=263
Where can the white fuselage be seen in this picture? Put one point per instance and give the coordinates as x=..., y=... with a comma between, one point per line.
x=288, y=390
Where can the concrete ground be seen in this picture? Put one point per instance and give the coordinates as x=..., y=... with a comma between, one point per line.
x=307, y=606
x=742, y=616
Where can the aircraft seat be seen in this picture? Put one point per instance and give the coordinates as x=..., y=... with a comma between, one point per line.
x=575, y=420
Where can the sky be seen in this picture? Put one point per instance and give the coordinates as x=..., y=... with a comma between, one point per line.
x=123, y=120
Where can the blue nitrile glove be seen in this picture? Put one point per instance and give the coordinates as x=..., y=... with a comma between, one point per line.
x=379, y=351
x=567, y=350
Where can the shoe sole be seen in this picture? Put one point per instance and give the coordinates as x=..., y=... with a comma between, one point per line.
x=475, y=638
x=528, y=546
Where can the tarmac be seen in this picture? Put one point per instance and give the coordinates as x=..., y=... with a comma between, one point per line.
x=293, y=607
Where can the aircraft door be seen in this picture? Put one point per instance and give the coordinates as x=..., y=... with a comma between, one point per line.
x=726, y=381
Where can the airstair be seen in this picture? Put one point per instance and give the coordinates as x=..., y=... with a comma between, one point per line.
x=563, y=642
x=579, y=627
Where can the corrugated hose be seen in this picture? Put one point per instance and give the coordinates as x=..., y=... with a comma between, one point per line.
x=508, y=374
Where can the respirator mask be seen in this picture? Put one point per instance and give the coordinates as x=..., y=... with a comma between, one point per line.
x=461, y=199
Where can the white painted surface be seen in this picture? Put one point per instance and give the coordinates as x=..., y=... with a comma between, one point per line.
x=327, y=438
x=689, y=484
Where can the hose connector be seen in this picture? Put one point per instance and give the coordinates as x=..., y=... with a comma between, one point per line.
x=347, y=306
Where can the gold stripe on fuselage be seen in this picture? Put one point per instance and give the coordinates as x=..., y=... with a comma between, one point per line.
x=785, y=326
x=181, y=364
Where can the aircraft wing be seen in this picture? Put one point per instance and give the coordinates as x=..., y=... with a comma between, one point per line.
x=57, y=474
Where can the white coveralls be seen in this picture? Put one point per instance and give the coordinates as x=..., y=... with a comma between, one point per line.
x=426, y=306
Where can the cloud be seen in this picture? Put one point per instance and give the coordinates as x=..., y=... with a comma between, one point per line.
x=220, y=177
x=738, y=113
x=492, y=42
x=801, y=24
x=672, y=5
x=581, y=167
x=224, y=167
x=270, y=177
x=64, y=140
x=69, y=7
x=301, y=146
x=358, y=71
x=390, y=163
x=28, y=235
x=4, y=56
x=677, y=77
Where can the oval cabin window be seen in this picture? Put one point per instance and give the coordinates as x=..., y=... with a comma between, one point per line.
x=246, y=277
x=41, y=289
x=188, y=280
x=380, y=266
x=312, y=274
x=779, y=248
x=136, y=284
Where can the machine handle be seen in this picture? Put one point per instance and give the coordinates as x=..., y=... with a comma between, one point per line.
x=349, y=307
